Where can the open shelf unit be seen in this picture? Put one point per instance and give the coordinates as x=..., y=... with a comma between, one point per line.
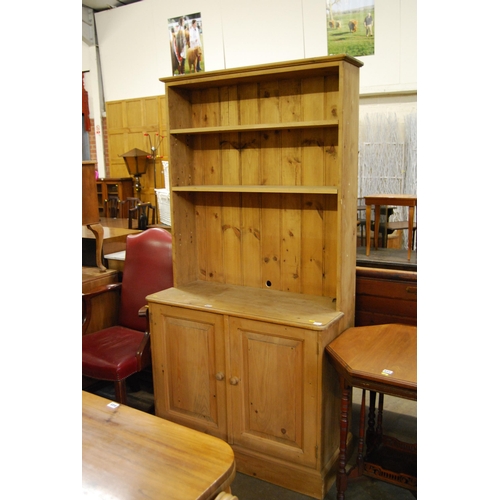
x=259, y=159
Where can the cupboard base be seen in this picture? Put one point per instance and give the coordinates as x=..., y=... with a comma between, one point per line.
x=303, y=480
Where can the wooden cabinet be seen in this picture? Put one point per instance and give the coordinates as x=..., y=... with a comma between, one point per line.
x=90, y=210
x=105, y=307
x=254, y=373
x=263, y=177
x=385, y=296
x=121, y=188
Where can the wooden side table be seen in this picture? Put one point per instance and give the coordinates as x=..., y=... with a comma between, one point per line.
x=399, y=200
x=383, y=359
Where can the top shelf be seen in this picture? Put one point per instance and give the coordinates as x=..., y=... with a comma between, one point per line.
x=256, y=127
x=325, y=65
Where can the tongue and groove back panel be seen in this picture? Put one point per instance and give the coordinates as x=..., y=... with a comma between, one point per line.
x=263, y=166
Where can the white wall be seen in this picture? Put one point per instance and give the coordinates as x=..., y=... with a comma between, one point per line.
x=85, y=57
x=134, y=43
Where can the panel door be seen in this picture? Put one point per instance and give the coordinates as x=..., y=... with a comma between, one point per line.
x=273, y=390
x=188, y=368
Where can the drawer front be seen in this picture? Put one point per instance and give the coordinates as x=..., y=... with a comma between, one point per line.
x=380, y=300
x=400, y=290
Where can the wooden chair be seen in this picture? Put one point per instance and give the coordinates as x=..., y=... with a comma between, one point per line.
x=112, y=207
x=384, y=229
x=361, y=222
x=129, y=203
x=144, y=214
x=119, y=351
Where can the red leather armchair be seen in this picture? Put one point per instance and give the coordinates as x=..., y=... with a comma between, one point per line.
x=119, y=351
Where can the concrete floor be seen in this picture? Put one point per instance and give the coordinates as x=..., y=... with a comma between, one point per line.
x=400, y=420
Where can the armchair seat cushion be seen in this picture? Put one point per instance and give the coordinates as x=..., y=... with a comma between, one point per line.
x=110, y=354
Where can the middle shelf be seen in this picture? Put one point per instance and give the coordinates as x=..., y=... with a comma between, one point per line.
x=257, y=127
x=219, y=188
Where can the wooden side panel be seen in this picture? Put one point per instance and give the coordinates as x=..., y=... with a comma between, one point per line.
x=184, y=222
x=331, y=244
x=181, y=112
x=348, y=160
x=162, y=113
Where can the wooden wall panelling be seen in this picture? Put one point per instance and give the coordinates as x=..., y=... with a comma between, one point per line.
x=128, y=121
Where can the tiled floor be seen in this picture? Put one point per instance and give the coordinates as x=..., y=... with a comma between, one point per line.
x=400, y=420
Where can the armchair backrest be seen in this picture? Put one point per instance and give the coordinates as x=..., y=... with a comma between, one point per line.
x=147, y=269
x=112, y=207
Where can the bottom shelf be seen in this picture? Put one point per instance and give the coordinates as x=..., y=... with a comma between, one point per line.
x=292, y=309
x=394, y=462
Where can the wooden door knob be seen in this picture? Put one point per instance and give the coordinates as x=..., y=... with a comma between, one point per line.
x=234, y=380
x=219, y=376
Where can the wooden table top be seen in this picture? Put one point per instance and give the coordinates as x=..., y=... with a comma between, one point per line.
x=109, y=233
x=378, y=357
x=392, y=199
x=129, y=454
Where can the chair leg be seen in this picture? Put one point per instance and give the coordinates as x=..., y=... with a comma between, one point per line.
x=121, y=391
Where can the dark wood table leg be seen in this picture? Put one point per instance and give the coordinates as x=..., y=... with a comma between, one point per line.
x=358, y=469
x=344, y=426
x=376, y=227
x=379, y=432
x=368, y=228
x=411, y=214
x=98, y=231
x=370, y=433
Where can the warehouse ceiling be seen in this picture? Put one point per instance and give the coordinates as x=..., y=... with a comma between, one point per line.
x=98, y=5
x=89, y=7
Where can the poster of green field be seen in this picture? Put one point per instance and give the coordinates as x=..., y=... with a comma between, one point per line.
x=350, y=27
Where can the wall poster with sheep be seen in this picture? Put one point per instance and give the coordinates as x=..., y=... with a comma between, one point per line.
x=186, y=44
x=350, y=27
